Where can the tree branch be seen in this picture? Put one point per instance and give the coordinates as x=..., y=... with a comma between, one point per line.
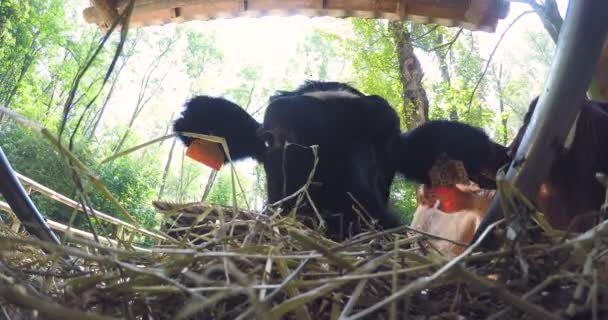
x=485, y=70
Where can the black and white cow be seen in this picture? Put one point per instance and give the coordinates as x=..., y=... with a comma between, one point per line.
x=360, y=147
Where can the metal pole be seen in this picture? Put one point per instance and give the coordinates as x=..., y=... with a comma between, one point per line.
x=578, y=48
x=21, y=204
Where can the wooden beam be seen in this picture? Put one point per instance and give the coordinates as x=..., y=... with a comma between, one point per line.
x=74, y=231
x=402, y=8
x=477, y=11
x=71, y=231
x=81, y=234
x=35, y=186
x=106, y=12
x=482, y=14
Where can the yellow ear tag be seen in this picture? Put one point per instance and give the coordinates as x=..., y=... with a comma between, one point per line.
x=207, y=153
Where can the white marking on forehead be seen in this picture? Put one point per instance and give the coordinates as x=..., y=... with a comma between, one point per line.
x=324, y=95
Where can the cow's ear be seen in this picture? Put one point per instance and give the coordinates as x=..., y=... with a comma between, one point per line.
x=222, y=118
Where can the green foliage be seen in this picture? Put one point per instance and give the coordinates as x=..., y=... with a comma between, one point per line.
x=250, y=92
x=132, y=181
x=403, y=198
x=31, y=29
x=374, y=60
x=36, y=159
x=222, y=191
x=185, y=183
x=318, y=51
x=454, y=97
x=201, y=51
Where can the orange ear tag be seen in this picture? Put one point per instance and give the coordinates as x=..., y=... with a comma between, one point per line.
x=207, y=153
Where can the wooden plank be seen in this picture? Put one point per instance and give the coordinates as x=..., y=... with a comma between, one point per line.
x=106, y=11
x=266, y=5
x=87, y=235
x=470, y=14
x=15, y=225
x=5, y=207
x=362, y=5
x=120, y=232
x=77, y=232
x=73, y=204
x=81, y=234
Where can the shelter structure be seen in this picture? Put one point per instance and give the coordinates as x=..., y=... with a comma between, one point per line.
x=474, y=15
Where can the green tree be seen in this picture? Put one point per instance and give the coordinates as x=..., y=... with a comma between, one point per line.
x=222, y=190
x=201, y=52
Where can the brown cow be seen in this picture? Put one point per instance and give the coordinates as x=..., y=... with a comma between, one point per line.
x=570, y=190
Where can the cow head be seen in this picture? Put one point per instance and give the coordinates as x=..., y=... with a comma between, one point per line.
x=419, y=150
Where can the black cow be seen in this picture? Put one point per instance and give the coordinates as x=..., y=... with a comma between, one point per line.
x=360, y=147
x=421, y=147
x=354, y=134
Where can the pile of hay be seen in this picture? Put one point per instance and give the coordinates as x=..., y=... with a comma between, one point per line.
x=246, y=265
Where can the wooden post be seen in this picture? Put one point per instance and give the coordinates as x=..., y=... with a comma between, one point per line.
x=16, y=224
x=477, y=11
x=120, y=229
x=402, y=8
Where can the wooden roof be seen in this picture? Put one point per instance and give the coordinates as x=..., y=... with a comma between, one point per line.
x=471, y=14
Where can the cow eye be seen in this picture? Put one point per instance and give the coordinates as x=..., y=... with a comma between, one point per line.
x=268, y=138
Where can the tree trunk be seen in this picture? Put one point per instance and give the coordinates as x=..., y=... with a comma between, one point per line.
x=209, y=185
x=166, y=172
x=53, y=88
x=445, y=72
x=124, y=136
x=142, y=100
x=99, y=114
x=54, y=81
x=501, y=105
x=139, y=107
x=552, y=21
x=415, y=101
x=550, y=17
